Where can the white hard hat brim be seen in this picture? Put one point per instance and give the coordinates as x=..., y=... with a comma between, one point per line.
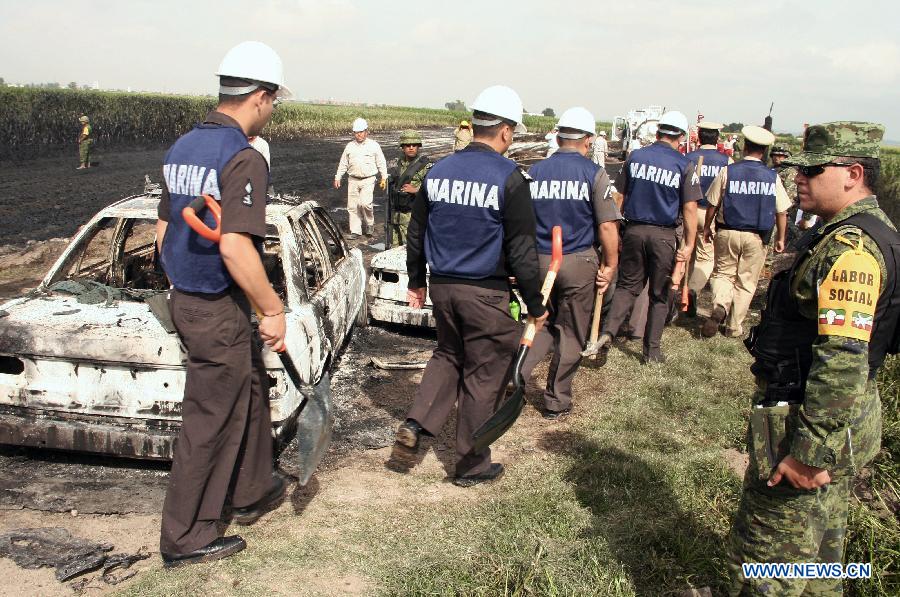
x=284, y=93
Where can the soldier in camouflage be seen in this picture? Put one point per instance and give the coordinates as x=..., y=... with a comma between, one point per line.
x=828, y=323
x=406, y=178
x=85, y=140
x=796, y=227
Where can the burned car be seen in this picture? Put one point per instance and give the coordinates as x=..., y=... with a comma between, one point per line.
x=86, y=365
x=386, y=292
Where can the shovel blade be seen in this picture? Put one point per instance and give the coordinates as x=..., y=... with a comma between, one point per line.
x=314, y=426
x=500, y=422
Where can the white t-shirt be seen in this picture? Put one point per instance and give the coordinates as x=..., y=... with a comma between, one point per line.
x=262, y=146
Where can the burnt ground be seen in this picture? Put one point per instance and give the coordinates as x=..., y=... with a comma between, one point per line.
x=119, y=500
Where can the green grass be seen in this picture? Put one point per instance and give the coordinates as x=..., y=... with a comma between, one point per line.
x=36, y=121
x=631, y=497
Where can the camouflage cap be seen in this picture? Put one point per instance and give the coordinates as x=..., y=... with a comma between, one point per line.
x=780, y=150
x=823, y=143
x=410, y=137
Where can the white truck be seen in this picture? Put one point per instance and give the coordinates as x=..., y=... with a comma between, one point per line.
x=637, y=128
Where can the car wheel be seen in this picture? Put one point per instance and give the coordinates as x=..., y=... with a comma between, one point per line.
x=362, y=316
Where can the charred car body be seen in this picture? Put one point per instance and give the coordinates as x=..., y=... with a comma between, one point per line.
x=386, y=292
x=86, y=365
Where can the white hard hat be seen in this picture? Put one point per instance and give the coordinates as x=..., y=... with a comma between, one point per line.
x=360, y=125
x=499, y=100
x=602, y=133
x=673, y=120
x=577, y=118
x=255, y=61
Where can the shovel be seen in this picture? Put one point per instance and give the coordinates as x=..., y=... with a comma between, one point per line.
x=592, y=349
x=503, y=418
x=317, y=416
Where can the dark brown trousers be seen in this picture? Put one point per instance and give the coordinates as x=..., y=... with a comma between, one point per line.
x=476, y=342
x=647, y=257
x=566, y=331
x=225, y=444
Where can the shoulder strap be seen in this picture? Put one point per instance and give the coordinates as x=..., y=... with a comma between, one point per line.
x=411, y=170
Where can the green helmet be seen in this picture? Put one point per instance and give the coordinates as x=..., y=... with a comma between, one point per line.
x=409, y=137
x=780, y=150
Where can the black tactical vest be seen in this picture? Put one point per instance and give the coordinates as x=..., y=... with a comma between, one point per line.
x=782, y=341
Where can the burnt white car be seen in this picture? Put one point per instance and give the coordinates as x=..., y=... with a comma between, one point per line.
x=86, y=365
x=386, y=292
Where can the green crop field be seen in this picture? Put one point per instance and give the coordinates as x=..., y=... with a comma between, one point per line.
x=36, y=121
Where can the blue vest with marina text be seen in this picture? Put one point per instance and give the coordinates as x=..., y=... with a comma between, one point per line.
x=464, y=236
x=749, y=200
x=193, y=167
x=713, y=162
x=655, y=177
x=562, y=191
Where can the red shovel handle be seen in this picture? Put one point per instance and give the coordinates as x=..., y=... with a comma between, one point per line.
x=189, y=214
x=556, y=257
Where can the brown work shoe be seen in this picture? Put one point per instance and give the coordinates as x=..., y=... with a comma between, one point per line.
x=711, y=325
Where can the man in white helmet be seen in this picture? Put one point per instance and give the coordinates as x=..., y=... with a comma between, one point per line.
x=571, y=191
x=661, y=190
x=601, y=149
x=473, y=225
x=361, y=161
x=225, y=444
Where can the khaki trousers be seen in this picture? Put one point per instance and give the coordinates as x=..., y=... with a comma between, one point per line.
x=704, y=257
x=359, y=203
x=566, y=331
x=740, y=256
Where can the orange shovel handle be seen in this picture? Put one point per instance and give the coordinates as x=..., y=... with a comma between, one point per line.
x=556, y=257
x=190, y=216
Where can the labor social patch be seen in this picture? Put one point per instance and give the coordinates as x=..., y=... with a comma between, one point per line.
x=847, y=296
x=248, y=199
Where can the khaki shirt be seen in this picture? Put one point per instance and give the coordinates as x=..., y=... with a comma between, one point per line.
x=362, y=160
x=714, y=194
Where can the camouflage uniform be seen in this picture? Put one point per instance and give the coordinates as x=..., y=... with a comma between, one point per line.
x=85, y=140
x=401, y=208
x=837, y=423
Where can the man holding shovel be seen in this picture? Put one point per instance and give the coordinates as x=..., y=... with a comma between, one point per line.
x=473, y=224
x=571, y=191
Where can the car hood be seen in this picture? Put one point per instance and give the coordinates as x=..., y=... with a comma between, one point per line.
x=392, y=260
x=59, y=326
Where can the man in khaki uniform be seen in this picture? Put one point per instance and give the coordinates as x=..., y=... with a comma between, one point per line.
x=701, y=266
x=361, y=161
x=463, y=135
x=601, y=149
x=747, y=200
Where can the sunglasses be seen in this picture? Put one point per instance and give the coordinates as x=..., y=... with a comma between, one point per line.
x=410, y=145
x=811, y=171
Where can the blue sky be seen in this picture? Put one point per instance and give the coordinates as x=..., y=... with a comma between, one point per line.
x=818, y=61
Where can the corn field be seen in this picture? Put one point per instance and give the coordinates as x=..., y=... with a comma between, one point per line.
x=34, y=122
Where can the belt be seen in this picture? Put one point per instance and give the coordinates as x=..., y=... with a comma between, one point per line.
x=361, y=177
x=639, y=223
